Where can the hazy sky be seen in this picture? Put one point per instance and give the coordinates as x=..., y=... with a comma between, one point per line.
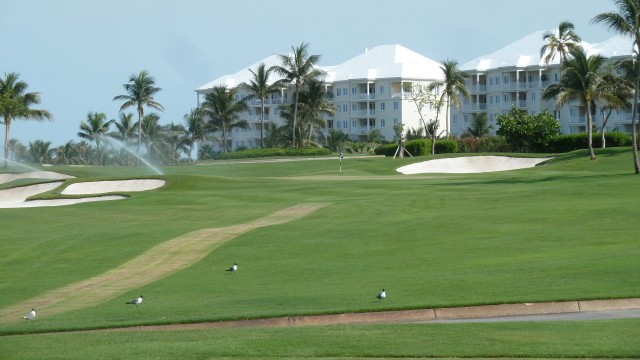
x=79, y=53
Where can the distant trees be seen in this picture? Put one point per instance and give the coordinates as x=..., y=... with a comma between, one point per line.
x=479, y=127
x=223, y=110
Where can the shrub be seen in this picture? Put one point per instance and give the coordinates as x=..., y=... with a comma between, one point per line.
x=446, y=146
x=386, y=149
x=418, y=147
x=483, y=144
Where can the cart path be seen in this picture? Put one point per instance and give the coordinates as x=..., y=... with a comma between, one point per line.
x=154, y=264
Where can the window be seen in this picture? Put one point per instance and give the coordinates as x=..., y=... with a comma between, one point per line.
x=497, y=99
x=345, y=124
x=354, y=90
x=338, y=92
x=534, y=96
x=491, y=81
x=395, y=121
x=497, y=80
x=382, y=106
x=505, y=98
x=505, y=80
x=354, y=124
x=344, y=91
x=354, y=107
x=466, y=118
x=345, y=108
x=381, y=89
x=396, y=105
x=455, y=119
x=382, y=123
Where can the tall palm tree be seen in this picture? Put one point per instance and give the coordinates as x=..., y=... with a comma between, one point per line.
x=298, y=68
x=581, y=81
x=559, y=42
x=15, y=103
x=454, y=83
x=260, y=88
x=197, y=128
x=140, y=91
x=619, y=87
x=479, y=127
x=315, y=102
x=223, y=111
x=15, y=147
x=626, y=21
x=95, y=128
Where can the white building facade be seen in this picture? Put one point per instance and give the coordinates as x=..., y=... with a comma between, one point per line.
x=372, y=91
x=516, y=76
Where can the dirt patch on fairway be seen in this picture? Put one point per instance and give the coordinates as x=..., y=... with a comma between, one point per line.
x=155, y=264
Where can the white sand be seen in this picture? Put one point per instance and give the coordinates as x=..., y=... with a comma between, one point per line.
x=101, y=187
x=17, y=197
x=470, y=164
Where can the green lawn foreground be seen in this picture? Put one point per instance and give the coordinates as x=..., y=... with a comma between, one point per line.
x=574, y=339
x=559, y=232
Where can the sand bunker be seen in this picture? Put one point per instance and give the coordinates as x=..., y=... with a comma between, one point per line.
x=17, y=197
x=101, y=187
x=470, y=164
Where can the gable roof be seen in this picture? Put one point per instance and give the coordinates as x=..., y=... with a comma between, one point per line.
x=385, y=61
x=526, y=52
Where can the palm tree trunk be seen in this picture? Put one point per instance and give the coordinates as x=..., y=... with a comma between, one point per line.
x=139, y=135
x=592, y=155
x=634, y=114
x=262, y=123
x=295, y=116
x=7, y=137
x=224, y=140
x=447, y=122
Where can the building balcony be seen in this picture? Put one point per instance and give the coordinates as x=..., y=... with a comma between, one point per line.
x=578, y=119
x=363, y=113
x=363, y=96
x=624, y=117
x=477, y=88
x=475, y=106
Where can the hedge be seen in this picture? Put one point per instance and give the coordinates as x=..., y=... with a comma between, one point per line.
x=272, y=152
x=566, y=143
x=484, y=144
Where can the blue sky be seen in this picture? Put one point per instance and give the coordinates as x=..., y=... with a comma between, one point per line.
x=79, y=53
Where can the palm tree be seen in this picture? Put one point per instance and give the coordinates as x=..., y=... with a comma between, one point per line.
x=15, y=147
x=151, y=131
x=125, y=129
x=40, y=151
x=626, y=21
x=559, y=42
x=454, y=83
x=95, y=128
x=315, y=102
x=336, y=139
x=67, y=154
x=479, y=127
x=581, y=81
x=619, y=87
x=223, y=111
x=197, y=128
x=298, y=68
x=15, y=103
x=175, y=137
x=261, y=88
x=140, y=90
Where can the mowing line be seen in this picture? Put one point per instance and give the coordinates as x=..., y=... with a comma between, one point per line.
x=155, y=264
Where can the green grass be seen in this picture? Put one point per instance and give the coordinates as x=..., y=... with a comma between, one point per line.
x=578, y=339
x=563, y=231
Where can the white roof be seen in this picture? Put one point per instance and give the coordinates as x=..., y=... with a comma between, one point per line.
x=388, y=61
x=526, y=52
x=385, y=61
x=243, y=75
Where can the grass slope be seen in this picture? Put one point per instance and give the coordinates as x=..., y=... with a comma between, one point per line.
x=559, y=232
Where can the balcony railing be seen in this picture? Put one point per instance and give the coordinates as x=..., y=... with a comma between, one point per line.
x=477, y=88
x=363, y=96
x=578, y=119
x=363, y=113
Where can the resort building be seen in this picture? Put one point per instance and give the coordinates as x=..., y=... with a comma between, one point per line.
x=375, y=90
x=516, y=76
x=371, y=91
